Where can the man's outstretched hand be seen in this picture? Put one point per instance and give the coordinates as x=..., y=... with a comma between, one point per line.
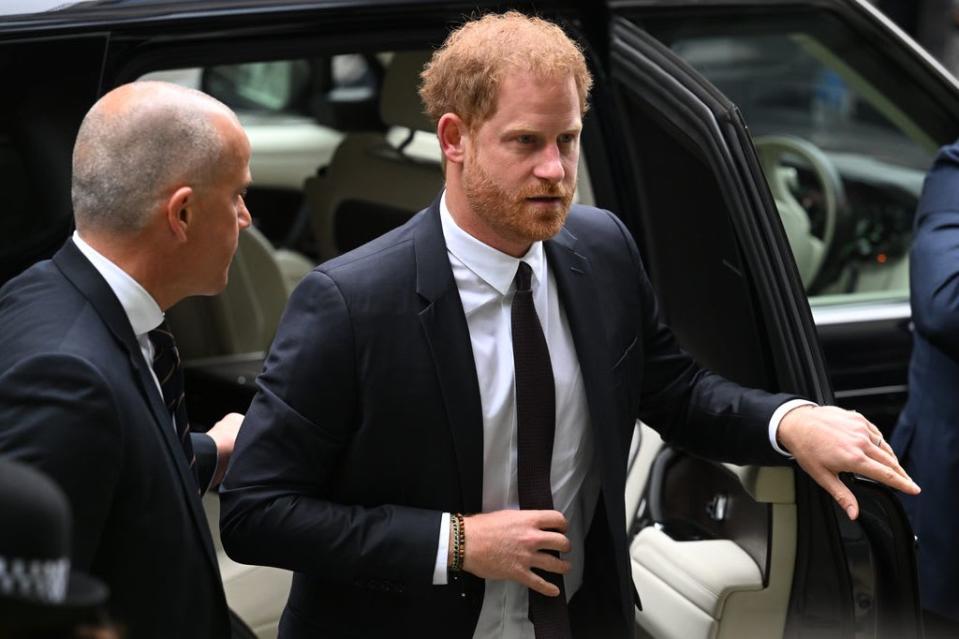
x=827, y=440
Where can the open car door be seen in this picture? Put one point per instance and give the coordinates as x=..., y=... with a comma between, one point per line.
x=718, y=550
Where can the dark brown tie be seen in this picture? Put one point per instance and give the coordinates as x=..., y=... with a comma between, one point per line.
x=169, y=372
x=536, y=418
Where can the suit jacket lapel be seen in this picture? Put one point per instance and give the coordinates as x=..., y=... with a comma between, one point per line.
x=448, y=335
x=577, y=294
x=76, y=268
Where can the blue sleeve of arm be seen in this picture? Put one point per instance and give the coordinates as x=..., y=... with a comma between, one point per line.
x=934, y=260
x=204, y=448
x=278, y=503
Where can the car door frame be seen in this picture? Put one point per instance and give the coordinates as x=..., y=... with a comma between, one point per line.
x=795, y=350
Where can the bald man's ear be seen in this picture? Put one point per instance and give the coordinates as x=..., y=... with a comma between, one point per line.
x=178, y=213
x=453, y=134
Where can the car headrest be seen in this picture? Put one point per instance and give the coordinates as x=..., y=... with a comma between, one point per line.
x=400, y=103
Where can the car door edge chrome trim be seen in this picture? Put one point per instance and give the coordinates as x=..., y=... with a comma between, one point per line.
x=853, y=313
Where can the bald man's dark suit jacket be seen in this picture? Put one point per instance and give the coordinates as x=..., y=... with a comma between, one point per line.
x=367, y=426
x=77, y=401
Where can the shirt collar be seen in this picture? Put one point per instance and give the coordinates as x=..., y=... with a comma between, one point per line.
x=141, y=309
x=489, y=264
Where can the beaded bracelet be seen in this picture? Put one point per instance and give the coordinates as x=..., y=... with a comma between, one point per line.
x=458, y=536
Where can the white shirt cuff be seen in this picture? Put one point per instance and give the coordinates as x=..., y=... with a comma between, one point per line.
x=442, y=552
x=777, y=418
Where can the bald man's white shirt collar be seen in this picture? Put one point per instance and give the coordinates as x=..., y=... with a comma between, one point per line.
x=142, y=311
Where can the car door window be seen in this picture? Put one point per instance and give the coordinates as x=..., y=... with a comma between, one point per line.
x=844, y=160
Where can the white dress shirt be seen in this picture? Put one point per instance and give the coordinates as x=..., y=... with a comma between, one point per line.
x=484, y=277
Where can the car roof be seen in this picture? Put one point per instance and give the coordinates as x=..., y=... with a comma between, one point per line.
x=17, y=15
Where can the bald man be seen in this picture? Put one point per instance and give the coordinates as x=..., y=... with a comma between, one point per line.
x=88, y=375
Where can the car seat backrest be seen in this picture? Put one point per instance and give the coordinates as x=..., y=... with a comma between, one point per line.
x=377, y=181
x=400, y=103
x=241, y=319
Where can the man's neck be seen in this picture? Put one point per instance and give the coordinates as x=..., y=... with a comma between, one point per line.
x=128, y=254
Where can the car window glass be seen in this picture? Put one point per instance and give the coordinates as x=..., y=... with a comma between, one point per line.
x=268, y=86
x=698, y=222
x=844, y=161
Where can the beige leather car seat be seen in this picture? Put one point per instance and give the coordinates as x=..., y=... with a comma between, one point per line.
x=243, y=318
x=293, y=266
x=711, y=589
x=372, y=184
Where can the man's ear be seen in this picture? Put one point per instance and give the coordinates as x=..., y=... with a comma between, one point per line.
x=178, y=212
x=453, y=135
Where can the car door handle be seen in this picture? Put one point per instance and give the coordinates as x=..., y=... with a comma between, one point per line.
x=716, y=508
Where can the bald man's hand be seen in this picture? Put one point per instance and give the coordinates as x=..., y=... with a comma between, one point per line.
x=827, y=440
x=508, y=544
x=223, y=433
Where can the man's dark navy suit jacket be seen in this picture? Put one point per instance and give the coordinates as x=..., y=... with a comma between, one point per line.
x=367, y=426
x=77, y=401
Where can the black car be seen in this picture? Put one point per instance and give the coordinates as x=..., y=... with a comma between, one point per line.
x=766, y=154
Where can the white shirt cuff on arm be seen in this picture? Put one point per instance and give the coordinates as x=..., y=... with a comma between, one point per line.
x=777, y=418
x=442, y=552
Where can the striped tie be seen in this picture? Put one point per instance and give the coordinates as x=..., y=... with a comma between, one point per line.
x=169, y=372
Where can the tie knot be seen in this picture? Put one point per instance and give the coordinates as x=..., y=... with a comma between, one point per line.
x=524, y=277
x=163, y=341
